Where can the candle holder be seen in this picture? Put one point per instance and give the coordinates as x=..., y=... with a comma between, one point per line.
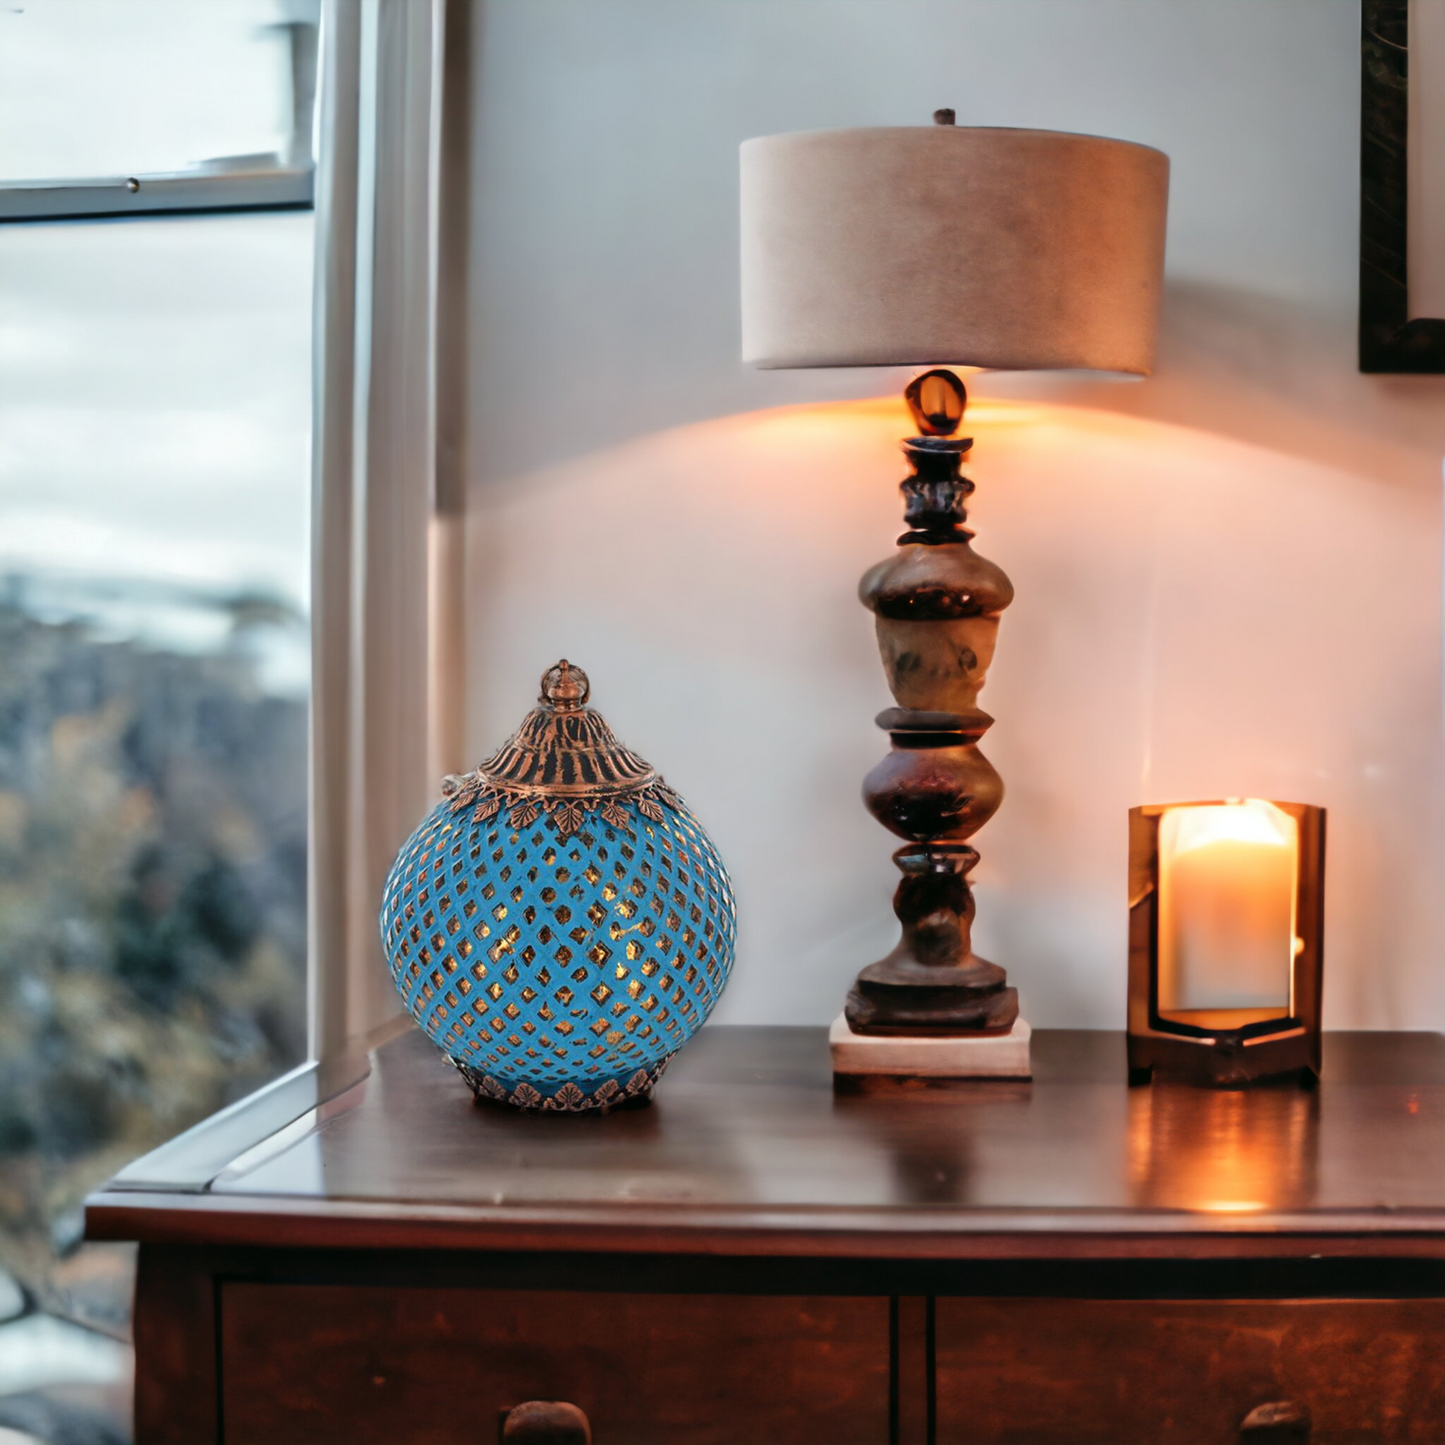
x=1226, y=930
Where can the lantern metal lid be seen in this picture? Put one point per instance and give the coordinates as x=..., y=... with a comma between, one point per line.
x=564, y=761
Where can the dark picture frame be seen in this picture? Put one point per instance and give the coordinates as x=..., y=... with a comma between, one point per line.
x=1389, y=340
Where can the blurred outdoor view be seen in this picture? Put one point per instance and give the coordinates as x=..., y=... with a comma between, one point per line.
x=154, y=652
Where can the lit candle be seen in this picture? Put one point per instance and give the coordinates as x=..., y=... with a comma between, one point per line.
x=1227, y=882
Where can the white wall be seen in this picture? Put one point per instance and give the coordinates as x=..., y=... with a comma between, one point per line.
x=1228, y=575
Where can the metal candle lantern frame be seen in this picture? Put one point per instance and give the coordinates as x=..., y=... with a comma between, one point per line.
x=1212, y=1052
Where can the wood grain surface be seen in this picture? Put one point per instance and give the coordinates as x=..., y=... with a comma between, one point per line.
x=1104, y=1372
x=748, y=1150
x=174, y=1328
x=318, y=1364
x=756, y=1258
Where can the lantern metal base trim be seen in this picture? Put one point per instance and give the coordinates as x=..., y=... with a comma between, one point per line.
x=568, y=1098
x=1183, y=1024
x=939, y=1056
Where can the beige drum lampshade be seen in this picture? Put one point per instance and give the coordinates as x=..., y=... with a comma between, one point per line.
x=931, y=245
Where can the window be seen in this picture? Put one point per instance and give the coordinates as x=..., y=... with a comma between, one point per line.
x=155, y=105
x=154, y=656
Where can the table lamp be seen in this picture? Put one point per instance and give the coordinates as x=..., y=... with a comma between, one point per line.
x=932, y=246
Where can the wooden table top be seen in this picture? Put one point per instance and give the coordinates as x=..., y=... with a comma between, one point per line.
x=746, y=1150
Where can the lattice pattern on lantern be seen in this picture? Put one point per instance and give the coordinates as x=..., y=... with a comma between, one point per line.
x=584, y=959
x=560, y=925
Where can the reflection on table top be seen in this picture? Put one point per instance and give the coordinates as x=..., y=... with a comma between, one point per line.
x=747, y=1145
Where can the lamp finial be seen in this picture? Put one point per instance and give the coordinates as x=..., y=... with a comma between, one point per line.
x=936, y=400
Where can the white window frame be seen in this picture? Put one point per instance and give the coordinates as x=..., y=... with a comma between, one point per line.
x=229, y=183
x=388, y=633
x=388, y=527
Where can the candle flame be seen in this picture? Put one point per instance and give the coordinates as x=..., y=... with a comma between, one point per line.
x=1244, y=820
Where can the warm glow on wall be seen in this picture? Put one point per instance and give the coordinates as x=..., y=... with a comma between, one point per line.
x=754, y=525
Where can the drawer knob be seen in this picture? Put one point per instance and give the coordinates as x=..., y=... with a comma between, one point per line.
x=546, y=1422
x=1281, y=1422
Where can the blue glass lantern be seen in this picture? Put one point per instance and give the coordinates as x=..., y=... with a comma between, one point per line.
x=560, y=925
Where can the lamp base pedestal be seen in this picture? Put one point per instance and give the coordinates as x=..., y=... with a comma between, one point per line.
x=939, y=1056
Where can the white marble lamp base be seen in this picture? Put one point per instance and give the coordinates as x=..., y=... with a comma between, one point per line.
x=997, y=1056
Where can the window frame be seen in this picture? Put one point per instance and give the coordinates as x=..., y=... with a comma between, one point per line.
x=389, y=524
x=388, y=531
x=227, y=183
x=388, y=535
x=256, y=188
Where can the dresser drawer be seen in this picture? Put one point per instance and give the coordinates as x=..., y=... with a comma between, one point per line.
x=1106, y=1372
x=324, y=1363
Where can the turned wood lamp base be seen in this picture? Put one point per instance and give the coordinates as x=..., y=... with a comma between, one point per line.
x=945, y=246
x=933, y=1007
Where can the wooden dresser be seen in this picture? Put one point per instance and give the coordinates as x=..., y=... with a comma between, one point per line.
x=753, y=1259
